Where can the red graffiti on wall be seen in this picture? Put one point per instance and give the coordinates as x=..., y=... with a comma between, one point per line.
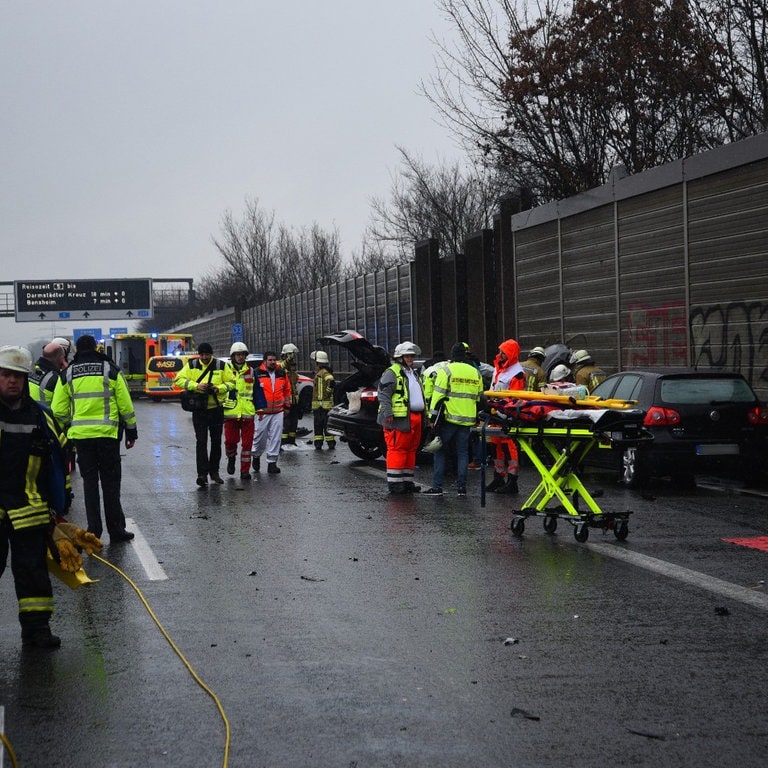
x=656, y=335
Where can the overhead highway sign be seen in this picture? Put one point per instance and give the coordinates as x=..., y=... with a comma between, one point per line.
x=83, y=300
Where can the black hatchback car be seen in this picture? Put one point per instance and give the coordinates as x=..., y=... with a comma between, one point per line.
x=700, y=421
x=356, y=400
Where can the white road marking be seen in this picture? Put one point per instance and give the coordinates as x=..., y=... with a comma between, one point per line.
x=694, y=578
x=372, y=471
x=152, y=568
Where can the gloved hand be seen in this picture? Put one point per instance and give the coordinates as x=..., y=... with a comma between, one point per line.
x=85, y=540
x=77, y=537
x=69, y=558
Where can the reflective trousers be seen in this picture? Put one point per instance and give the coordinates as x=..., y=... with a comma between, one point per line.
x=30, y=573
x=401, y=451
x=239, y=431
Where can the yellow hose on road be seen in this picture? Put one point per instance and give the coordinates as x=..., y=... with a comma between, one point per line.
x=176, y=650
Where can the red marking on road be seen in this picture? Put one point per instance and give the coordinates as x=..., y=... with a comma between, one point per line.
x=757, y=542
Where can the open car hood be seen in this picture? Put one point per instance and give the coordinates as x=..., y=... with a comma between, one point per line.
x=359, y=347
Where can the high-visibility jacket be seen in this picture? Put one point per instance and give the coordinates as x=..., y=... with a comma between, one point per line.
x=289, y=366
x=458, y=386
x=322, y=390
x=277, y=395
x=221, y=377
x=42, y=381
x=589, y=376
x=92, y=399
x=534, y=374
x=239, y=403
x=510, y=374
x=34, y=480
x=428, y=378
x=397, y=400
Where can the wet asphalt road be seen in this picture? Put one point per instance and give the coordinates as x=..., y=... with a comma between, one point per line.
x=339, y=627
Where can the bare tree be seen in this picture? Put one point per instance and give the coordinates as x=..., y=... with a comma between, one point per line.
x=444, y=201
x=556, y=98
x=247, y=247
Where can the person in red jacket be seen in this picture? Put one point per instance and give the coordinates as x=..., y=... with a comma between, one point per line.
x=507, y=374
x=269, y=429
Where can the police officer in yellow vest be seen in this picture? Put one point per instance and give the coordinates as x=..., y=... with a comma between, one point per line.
x=457, y=390
x=322, y=399
x=93, y=400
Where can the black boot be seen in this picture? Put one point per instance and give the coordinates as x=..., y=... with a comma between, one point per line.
x=396, y=489
x=410, y=487
x=510, y=485
x=256, y=463
x=231, y=465
x=39, y=636
x=497, y=482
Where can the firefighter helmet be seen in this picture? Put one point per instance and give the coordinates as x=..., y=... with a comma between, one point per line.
x=538, y=352
x=289, y=349
x=320, y=357
x=65, y=344
x=560, y=373
x=580, y=356
x=238, y=346
x=16, y=359
x=406, y=348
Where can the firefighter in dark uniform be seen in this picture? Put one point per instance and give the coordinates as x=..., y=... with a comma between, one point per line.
x=33, y=482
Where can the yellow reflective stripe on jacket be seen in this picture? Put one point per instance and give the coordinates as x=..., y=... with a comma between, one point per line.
x=458, y=387
x=241, y=405
x=322, y=391
x=400, y=405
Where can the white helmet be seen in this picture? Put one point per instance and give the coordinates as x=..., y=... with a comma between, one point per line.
x=65, y=344
x=320, y=357
x=538, y=352
x=406, y=348
x=289, y=349
x=16, y=359
x=238, y=346
x=434, y=445
x=560, y=373
x=580, y=356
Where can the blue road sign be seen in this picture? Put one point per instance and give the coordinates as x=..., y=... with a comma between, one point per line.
x=237, y=332
x=113, y=331
x=78, y=332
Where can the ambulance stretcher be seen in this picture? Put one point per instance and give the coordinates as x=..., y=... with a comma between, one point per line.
x=566, y=436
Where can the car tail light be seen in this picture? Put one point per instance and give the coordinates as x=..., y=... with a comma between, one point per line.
x=369, y=394
x=758, y=415
x=661, y=417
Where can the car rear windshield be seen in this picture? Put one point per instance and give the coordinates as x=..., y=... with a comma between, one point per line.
x=691, y=391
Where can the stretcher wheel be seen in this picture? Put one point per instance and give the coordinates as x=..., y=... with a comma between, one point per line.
x=518, y=526
x=581, y=532
x=620, y=529
x=550, y=524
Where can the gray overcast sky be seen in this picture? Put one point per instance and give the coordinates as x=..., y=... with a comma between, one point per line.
x=129, y=128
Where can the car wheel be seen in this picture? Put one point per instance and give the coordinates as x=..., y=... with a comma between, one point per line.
x=366, y=452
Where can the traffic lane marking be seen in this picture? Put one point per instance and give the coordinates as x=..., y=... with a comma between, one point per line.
x=694, y=578
x=147, y=558
x=754, y=542
x=736, y=592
